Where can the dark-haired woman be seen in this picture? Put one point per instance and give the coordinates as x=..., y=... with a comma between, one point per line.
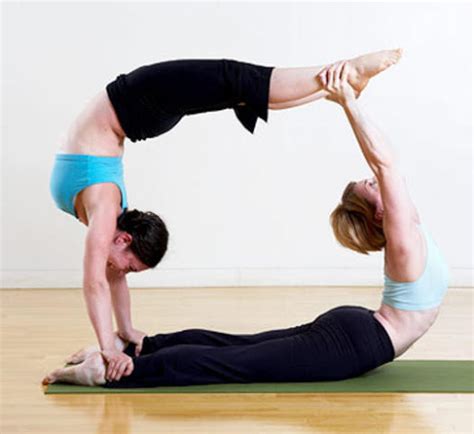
x=87, y=180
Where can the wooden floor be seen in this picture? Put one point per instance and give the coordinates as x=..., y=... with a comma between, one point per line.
x=40, y=327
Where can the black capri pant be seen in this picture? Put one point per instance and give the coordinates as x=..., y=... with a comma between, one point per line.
x=152, y=99
x=342, y=343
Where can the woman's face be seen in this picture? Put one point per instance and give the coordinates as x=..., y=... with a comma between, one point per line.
x=121, y=259
x=368, y=189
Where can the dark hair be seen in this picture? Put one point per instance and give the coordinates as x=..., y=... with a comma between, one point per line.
x=149, y=235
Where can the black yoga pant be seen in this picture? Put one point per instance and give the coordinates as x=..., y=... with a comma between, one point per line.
x=342, y=343
x=152, y=99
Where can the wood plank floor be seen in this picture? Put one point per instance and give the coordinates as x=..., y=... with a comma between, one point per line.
x=40, y=327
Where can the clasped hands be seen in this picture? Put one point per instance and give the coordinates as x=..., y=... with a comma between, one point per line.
x=334, y=79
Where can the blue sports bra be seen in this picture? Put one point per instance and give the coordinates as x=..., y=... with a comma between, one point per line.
x=428, y=291
x=72, y=173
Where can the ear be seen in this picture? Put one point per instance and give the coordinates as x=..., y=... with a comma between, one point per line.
x=124, y=238
x=379, y=214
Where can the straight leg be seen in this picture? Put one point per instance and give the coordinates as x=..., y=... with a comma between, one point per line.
x=291, y=87
x=291, y=84
x=214, y=338
x=306, y=356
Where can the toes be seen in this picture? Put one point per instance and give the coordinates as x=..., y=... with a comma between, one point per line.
x=395, y=56
x=71, y=360
x=81, y=355
x=50, y=378
x=74, y=359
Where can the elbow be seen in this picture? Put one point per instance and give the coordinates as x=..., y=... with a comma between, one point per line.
x=384, y=167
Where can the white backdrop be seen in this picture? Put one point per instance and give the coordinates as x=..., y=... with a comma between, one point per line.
x=241, y=209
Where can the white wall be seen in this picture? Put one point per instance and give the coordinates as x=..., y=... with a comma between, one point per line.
x=241, y=209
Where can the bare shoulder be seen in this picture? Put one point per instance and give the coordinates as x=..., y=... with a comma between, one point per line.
x=406, y=262
x=400, y=217
x=405, y=249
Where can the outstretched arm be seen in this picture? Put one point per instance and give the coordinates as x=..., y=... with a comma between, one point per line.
x=372, y=142
x=398, y=208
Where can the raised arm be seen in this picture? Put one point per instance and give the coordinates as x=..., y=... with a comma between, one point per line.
x=398, y=209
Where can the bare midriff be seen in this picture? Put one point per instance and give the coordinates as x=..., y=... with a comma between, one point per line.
x=403, y=326
x=96, y=131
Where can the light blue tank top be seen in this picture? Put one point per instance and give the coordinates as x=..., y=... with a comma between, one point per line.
x=72, y=173
x=428, y=291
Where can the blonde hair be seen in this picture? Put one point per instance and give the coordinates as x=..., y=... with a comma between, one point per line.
x=354, y=224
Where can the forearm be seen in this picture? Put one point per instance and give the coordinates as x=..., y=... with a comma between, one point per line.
x=371, y=140
x=121, y=304
x=98, y=302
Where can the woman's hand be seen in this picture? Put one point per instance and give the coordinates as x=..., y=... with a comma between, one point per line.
x=135, y=337
x=334, y=79
x=118, y=364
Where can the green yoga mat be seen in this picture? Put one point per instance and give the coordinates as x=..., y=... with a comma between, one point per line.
x=406, y=376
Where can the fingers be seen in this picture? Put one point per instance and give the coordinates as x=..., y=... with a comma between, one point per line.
x=138, y=350
x=122, y=367
x=334, y=79
x=323, y=76
x=345, y=72
x=125, y=369
x=117, y=368
x=337, y=75
x=129, y=369
x=331, y=77
x=113, y=370
x=111, y=367
x=334, y=76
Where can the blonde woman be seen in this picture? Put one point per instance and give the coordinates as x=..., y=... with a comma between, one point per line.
x=377, y=214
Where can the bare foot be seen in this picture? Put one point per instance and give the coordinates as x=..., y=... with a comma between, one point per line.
x=368, y=65
x=91, y=372
x=81, y=355
x=84, y=353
